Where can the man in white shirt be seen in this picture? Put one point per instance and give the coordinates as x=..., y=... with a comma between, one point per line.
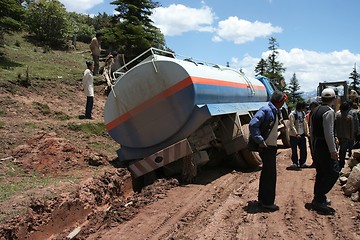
x=298, y=133
x=88, y=83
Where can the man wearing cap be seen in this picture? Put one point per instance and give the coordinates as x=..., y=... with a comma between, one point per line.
x=268, y=147
x=324, y=149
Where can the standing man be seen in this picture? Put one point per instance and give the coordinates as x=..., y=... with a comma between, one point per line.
x=344, y=131
x=264, y=130
x=95, y=47
x=324, y=149
x=88, y=83
x=354, y=113
x=298, y=133
x=312, y=106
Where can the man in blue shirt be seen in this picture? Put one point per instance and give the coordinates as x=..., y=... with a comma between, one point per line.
x=267, y=118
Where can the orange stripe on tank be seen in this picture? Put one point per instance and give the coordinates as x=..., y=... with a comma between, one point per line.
x=171, y=91
x=168, y=92
x=223, y=83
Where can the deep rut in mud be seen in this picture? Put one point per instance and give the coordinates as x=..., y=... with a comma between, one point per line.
x=225, y=207
x=220, y=205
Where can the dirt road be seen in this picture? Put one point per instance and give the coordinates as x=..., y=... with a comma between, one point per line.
x=221, y=205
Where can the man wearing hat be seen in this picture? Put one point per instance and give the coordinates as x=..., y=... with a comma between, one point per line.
x=268, y=147
x=324, y=149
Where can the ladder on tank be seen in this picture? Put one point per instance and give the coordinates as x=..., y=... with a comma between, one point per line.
x=249, y=83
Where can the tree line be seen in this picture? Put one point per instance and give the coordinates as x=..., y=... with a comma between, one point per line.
x=130, y=30
x=273, y=69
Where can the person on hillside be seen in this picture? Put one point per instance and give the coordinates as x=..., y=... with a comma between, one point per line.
x=95, y=47
x=88, y=83
x=109, y=61
x=298, y=133
x=312, y=106
x=264, y=118
x=324, y=149
x=344, y=131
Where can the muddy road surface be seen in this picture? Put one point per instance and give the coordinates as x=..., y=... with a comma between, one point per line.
x=222, y=205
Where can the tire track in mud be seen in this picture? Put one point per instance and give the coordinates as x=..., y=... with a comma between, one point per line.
x=301, y=222
x=187, y=216
x=224, y=222
x=224, y=207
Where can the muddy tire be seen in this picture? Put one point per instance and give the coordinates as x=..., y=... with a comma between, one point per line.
x=238, y=161
x=138, y=184
x=252, y=158
x=285, y=134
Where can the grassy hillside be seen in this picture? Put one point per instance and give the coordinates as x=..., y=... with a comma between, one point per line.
x=18, y=55
x=45, y=144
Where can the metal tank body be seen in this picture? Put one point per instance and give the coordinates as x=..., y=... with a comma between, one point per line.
x=163, y=100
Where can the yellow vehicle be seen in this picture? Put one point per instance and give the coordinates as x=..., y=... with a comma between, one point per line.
x=341, y=89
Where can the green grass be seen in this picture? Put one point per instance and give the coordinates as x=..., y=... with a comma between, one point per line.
x=31, y=125
x=17, y=54
x=61, y=116
x=97, y=129
x=2, y=124
x=13, y=180
x=43, y=108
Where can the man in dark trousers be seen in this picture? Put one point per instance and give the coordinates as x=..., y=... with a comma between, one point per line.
x=298, y=133
x=324, y=149
x=264, y=130
x=95, y=47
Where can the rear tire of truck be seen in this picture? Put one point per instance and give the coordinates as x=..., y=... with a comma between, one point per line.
x=285, y=134
x=238, y=161
x=137, y=184
x=143, y=181
x=252, y=158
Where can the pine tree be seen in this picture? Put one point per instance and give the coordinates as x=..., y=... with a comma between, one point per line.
x=293, y=90
x=355, y=77
x=271, y=67
x=275, y=68
x=134, y=31
x=261, y=67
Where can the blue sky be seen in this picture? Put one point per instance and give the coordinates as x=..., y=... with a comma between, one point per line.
x=318, y=39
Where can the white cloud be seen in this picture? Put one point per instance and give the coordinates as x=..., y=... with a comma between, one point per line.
x=177, y=19
x=310, y=67
x=241, y=31
x=80, y=6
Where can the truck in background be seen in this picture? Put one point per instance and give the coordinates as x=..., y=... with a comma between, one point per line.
x=173, y=114
x=341, y=89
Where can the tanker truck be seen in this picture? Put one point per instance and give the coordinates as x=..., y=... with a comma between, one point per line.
x=172, y=115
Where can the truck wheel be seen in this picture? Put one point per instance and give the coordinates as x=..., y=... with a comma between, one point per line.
x=285, y=134
x=143, y=181
x=252, y=158
x=138, y=184
x=238, y=161
x=189, y=171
